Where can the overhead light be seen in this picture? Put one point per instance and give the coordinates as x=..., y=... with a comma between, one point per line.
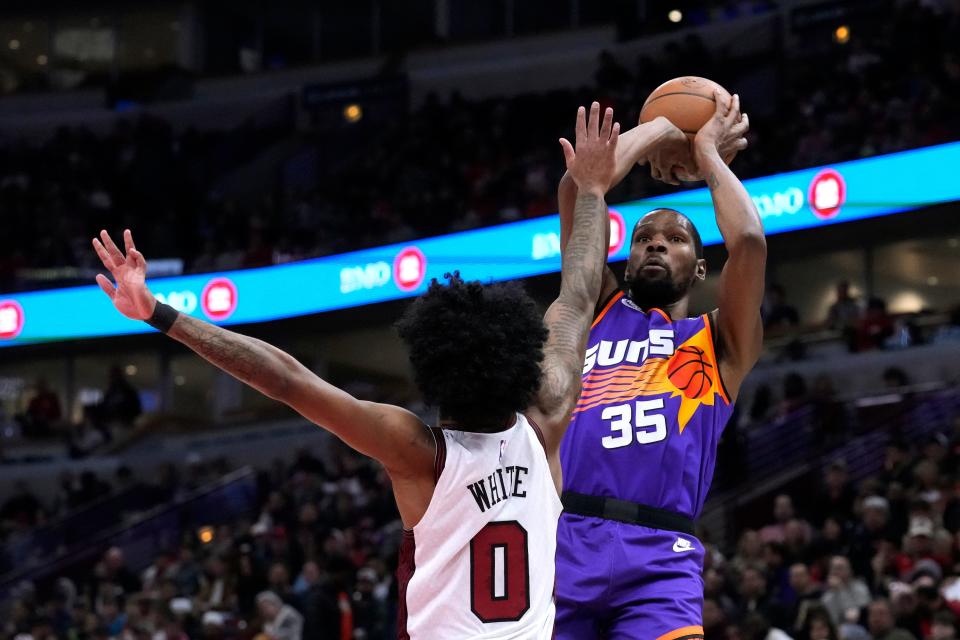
x=14, y=44
x=179, y=381
x=675, y=16
x=42, y=59
x=954, y=243
x=933, y=281
x=352, y=113
x=841, y=35
x=130, y=369
x=205, y=534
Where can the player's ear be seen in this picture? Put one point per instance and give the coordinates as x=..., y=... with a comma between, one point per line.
x=701, y=270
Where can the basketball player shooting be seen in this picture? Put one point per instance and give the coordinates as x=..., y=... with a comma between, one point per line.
x=658, y=388
x=478, y=495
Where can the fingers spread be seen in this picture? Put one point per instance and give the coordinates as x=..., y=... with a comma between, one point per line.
x=568, y=153
x=581, y=130
x=104, y=255
x=111, y=247
x=607, y=127
x=128, y=240
x=593, y=126
x=106, y=285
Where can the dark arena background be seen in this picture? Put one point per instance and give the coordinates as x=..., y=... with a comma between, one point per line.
x=299, y=170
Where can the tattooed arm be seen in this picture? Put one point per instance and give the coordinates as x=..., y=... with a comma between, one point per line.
x=568, y=318
x=739, y=327
x=387, y=433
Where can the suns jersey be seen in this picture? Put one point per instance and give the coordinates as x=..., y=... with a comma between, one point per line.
x=480, y=563
x=651, y=412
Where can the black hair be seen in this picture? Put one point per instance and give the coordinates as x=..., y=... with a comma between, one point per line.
x=697, y=240
x=475, y=349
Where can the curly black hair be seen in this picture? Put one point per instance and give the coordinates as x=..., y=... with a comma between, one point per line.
x=475, y=349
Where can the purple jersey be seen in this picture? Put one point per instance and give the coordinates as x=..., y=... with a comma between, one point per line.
x=651, y=412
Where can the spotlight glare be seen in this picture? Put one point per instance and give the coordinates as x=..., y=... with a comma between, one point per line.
x=675, y=16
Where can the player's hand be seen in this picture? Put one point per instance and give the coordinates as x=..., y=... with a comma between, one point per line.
x=725, y=132
x=671, y=159
x=131, y=296
x=592, y=163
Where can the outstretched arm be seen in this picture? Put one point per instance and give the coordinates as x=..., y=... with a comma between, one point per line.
x=568, y=318
x=739, y=327
x=387, y=433
x=658, y=142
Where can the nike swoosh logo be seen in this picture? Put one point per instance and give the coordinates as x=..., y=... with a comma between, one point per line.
x=681, y=546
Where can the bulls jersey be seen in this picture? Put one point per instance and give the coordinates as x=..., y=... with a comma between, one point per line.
x=480, y=563
x=653, y=406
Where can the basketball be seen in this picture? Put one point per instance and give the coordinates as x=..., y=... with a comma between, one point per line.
x=689, y=372
x=688, y=103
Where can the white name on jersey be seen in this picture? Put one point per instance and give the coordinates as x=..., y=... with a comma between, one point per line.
x=500, y=487
x=606, y=353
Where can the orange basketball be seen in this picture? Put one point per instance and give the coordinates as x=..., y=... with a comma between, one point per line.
x=687, y=102
x=690, y=373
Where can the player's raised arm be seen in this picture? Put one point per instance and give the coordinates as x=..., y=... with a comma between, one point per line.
x=568, y=319
x=658, y=143
x=739, y=327
x=387, y=433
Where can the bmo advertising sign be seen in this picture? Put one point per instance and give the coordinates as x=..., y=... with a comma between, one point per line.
x=219, y=299
x=11, y=319
x=409, y=268
x=828, y=192
x=825, y=196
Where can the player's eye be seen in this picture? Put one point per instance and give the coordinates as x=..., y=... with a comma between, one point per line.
x=643, y=238
x=677, y=239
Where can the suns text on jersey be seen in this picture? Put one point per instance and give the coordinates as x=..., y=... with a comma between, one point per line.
x=500, y=485
x=607, y=353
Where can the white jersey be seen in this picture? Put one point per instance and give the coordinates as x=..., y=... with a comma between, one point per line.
x=480, y=563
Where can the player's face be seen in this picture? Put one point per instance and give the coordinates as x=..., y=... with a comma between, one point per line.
x=663, y=262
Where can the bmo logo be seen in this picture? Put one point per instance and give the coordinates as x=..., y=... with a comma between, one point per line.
x=618, y=232
x=409, y=268
x=369, y=276
x=828, y=192
x=219, y=299
x=182, y=301
x=779, y=203
x=11, y=319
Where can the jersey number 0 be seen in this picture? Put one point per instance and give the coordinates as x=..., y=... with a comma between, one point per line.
x=499, y=572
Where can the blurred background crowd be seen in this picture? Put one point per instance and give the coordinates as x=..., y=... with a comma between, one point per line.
x=146, y=497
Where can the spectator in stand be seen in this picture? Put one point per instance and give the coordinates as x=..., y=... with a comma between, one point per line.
x=794, y=394
x=783, y=513
x=881, y=624
x=845, y=595
x=836, y=495
x=844, y=314
x=875, y=326
x=778, y=315
x=806, y=598
x=121, y=402
x=755, y=598
x=944, y=626
x=112, y=571
x=816, y=624
x=281, y=621
x=43, y=413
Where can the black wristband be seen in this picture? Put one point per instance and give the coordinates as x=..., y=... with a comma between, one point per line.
x=163, y=317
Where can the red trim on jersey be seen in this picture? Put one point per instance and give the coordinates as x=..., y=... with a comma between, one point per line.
x=603, y=312
x=406, y=565
x=441, y=457
x=536, y=430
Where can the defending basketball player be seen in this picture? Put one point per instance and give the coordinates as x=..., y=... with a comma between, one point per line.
x=658, y=388
x=479, y=496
